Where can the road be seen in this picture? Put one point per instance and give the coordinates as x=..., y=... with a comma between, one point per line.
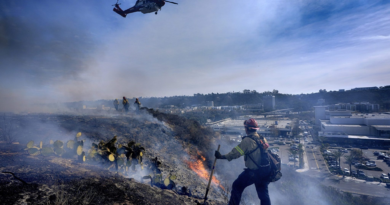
x=318, y=169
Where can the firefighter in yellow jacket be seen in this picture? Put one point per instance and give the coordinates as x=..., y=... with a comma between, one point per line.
x=116, y=104
x=137, y=104
x=126, y=104
x=253, y=147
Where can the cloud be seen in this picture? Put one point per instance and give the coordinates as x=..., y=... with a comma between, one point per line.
x=380, y=37
x=87, y=52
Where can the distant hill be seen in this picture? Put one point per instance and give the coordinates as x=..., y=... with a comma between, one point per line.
x=299, y=102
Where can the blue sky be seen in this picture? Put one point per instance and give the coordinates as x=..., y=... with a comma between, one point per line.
x=71, y=50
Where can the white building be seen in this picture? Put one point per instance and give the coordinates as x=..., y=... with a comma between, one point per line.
x=347, y=127
x=236, y=127
x=375, y=125
x=269, y=102
x=210, y=103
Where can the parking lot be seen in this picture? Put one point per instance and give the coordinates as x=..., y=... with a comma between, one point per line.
x=367, y=153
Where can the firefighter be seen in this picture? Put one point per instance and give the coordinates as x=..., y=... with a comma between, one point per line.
x=116, y=104
x=137, y=155
x=137, y=104
x=253, y=147
x=126, y=104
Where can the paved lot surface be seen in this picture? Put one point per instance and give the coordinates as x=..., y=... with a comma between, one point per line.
x=369, y=154
x=358, y=186
x=319, y=170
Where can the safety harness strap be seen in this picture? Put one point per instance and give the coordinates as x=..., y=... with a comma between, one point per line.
x=263, y=152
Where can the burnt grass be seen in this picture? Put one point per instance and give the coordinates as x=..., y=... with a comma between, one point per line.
x=56, y=180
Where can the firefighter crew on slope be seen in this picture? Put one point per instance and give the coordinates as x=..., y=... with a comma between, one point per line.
x=257, y=163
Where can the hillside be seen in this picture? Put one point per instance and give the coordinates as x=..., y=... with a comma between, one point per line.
x=184, y=148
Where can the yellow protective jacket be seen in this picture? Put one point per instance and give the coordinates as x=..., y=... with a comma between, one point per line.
x=246, y=146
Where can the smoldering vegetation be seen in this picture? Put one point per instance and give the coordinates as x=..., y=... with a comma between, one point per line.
x=173, y=139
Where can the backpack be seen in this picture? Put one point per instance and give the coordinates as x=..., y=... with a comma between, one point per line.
x=272, y=158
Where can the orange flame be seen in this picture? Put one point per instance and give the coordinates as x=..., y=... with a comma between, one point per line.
x=200, y=155
x=198, y=167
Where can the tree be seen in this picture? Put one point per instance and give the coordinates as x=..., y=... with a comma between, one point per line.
x=357, y=154
x=293, y=152
x=274, y=131
x=300, y=152
x=324, y=146
x=296, y=130
x=349, y=159
x=338, y=155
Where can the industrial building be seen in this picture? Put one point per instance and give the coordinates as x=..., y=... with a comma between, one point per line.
x=346, y=127
x=360, y=106
x=210, y=103
x=269, y=102
x=229, y=127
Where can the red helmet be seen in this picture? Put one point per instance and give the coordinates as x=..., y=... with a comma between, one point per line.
x=251, y=124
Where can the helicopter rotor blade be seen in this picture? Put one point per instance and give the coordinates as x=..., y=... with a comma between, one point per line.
x=171, y=2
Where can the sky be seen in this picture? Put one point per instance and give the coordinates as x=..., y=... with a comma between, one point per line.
x=74, y=50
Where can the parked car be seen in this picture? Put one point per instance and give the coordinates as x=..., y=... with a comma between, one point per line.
x=356, y=164
x=346, y=171
x=354, y=172
x=326, y=152
x=382, y=156
x=376, y=153
x=384, y=176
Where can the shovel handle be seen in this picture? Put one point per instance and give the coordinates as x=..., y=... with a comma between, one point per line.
x=211, y=177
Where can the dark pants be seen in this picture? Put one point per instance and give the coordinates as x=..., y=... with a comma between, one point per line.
x=247, y=178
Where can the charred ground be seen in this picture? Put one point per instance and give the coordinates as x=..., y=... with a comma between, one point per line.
x=52, y=179
x=173, y=139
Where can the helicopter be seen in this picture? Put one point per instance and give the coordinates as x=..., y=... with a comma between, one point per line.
x=144, y=6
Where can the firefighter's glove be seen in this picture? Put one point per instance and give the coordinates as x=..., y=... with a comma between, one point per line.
x=219, y=155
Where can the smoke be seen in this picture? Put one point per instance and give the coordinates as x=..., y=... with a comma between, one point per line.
x=292, y=188
x=61, y=51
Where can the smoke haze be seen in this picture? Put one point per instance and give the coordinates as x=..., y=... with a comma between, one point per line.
x=61, y=51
